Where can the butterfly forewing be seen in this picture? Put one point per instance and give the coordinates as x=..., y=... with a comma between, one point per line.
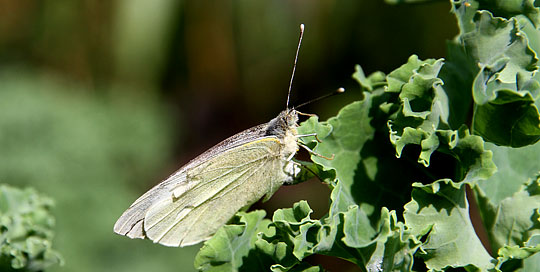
x=216, y=190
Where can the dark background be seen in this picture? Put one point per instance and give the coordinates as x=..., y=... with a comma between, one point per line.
x=100, y=100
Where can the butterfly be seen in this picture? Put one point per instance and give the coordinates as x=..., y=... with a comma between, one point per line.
x=193, y=203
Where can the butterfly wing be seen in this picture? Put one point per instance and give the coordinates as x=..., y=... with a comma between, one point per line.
x=196, y=202
x=214, y=191
x=131, y=221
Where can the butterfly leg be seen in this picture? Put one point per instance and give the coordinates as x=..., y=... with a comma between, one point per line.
x=306, y=135
x=309, y=135
x=315, y=153
x=306, y=114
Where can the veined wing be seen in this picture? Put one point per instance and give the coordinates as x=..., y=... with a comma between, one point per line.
x=214, y=191
x=131, y=221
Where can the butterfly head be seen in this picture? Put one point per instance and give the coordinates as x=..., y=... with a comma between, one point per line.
x=285, y=123
x=290, y=117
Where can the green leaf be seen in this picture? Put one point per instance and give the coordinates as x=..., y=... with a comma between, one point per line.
x=350, y=130
x=496, y=53
x=422, y=121
x=391, y=248
x=513, y=256
x=360, y=151
x=26, y=226
x=464, y=11
x=302, y=230
x=424, y=106
x=474, y=162
x=532, y=263
x=250, y=242
x=508, y=9
x=402, y=75
x=439, y=212
x=458, y=73
x=230, y=247
x=359, y=228
x=533, y=36
x=512, y=119
x=387, y=247
x=499, y=48
x=515, y=167
x=513, y=226
x=371, y=82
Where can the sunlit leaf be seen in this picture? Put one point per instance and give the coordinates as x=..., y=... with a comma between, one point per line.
x=440, y=213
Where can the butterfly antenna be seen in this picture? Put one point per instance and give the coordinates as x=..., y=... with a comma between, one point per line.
x=295, y=60
x=338, y=91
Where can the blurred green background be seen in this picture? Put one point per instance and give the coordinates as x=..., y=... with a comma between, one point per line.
x=100, y=100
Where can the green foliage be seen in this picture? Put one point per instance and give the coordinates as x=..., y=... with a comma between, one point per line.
x=26, y=230
x=440, y=211
x=404, y=157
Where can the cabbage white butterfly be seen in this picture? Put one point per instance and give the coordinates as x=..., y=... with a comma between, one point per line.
x=200, y=197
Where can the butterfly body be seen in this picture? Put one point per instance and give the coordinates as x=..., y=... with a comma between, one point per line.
x=194, y=202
